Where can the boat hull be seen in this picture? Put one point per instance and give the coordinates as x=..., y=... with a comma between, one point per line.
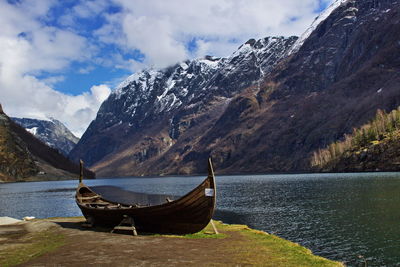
x=188, y=214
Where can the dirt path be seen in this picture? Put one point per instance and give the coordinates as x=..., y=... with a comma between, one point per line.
x=85, y=247
x=64, y=242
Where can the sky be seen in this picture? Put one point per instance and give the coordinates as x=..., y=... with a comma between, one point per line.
x=63, y=58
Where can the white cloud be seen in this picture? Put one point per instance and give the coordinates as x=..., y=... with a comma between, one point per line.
x=28, y=48
x=155, y=38
x=100, y=92
x=32, y=98
x=51, y=81
x=162, y=29
x=86, y=70
x=80, y=110
x=87, y=9
x=83, y=10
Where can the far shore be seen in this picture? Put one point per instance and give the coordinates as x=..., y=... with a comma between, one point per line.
x=49, y=179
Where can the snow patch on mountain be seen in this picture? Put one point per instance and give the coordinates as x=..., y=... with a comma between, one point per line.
x=209, y=62
x=320, y=18
x=32, y=130
x=144, y=80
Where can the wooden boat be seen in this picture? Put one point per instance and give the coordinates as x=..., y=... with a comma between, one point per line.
x=185, y=215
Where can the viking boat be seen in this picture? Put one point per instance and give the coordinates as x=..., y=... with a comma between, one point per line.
x=188, y=214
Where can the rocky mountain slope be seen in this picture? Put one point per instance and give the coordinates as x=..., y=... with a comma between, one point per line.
x=51, y=132
x=23, y=157
x=15, y=161
x=374, y=146
x=341, y=75
x=382, y=155
x=250, y=113
x=155, y=111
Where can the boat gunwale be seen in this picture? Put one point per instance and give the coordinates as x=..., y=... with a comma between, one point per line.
x=210, y=178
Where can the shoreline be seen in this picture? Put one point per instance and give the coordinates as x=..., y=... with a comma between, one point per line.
x=35, y=179
x=53, y=240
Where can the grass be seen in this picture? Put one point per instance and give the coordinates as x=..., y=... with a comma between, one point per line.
x=261, y=249
x=258, y=248
x=37, y=244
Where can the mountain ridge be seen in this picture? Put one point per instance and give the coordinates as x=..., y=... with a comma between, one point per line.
x=336, y=80
x=52, y=132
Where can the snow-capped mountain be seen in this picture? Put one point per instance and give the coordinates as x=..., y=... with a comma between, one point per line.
x=147, y=94
x=267, y=107
x=51, y=132
x=170, y=97
x=24, y=157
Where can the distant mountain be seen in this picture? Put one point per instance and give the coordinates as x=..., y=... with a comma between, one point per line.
x=23, y=157
x=51, y=132
x=266, y=108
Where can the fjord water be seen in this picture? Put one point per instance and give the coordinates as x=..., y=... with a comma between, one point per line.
x=345, y=217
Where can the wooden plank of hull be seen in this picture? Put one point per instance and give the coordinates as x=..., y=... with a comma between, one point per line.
x=188, y=214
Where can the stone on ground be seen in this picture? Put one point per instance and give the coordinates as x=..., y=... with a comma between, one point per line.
x=8, y=220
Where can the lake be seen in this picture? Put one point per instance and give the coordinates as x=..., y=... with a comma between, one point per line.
x=344, y=217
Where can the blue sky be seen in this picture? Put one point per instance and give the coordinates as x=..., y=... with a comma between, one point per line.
x=62, y=58
x=82, y=76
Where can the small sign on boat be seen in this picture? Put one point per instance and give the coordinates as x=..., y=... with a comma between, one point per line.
x=209, y=192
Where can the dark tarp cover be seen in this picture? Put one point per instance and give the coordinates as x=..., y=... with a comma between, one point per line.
x=119, y=195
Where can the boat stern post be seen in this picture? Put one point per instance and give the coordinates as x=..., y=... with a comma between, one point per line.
x=213, y=186
x=210, y=167
x=211, y=173
x=80, y=171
